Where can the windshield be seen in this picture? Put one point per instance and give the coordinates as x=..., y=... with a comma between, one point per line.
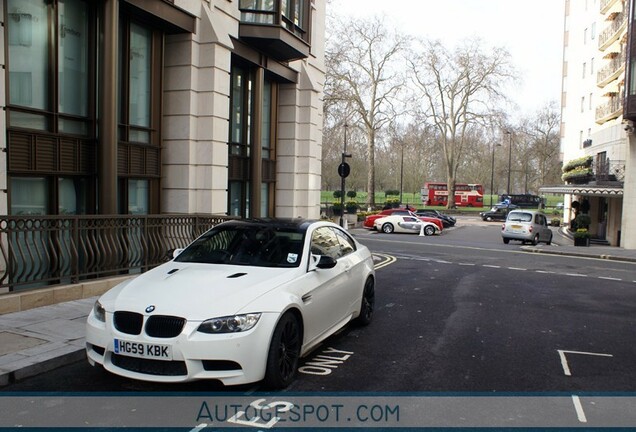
x=248, y=245
x=520, y=217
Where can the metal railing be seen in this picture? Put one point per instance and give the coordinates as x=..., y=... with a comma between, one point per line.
x=606, y=170
x=36, y=251
x=610, y=33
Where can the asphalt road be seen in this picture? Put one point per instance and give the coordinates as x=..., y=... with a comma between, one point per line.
x=460, y=312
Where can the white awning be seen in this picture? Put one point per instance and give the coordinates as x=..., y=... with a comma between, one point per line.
x=584, y=190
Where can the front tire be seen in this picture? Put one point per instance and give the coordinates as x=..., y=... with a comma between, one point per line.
x=429, y=230
x=387, y=228
x=506, y=240
x=284, y=352
x=489, y=219
x=368, y=303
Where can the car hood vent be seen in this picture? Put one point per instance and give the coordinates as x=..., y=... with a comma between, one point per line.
x=173, y=271
x=236, y=275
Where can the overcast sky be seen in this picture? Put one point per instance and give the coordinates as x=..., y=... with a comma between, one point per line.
x=531, y=31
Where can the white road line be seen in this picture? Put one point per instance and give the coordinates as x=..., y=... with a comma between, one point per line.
x=467, y=264
x=580, y=414
x=545, y=272
x=491, y=266
x=609, y=278
x=564, y=360
x=576, y=274
x=517, y=268
x=199, y=427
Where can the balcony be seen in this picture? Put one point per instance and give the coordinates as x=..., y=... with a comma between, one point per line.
x=611, y=34
x=611, y=70
x=608, y=172
x=610, y=110
x=606, y=5
x=278, y=28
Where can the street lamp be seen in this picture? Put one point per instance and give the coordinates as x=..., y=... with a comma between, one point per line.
x=492, y=171
x=509, y=160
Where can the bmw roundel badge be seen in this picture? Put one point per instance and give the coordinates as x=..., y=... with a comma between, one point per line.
x=150, y=308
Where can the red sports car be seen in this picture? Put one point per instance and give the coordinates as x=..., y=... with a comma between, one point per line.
x=369, y=220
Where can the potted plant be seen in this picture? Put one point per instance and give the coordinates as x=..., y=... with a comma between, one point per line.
x=582, y=237
x=351, y=206
x=336, y=207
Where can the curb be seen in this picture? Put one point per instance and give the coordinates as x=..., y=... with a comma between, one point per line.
x=578, y=254
x=10, y=377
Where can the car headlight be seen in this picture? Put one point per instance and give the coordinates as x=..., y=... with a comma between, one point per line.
x=229, y=324
x=99, y=312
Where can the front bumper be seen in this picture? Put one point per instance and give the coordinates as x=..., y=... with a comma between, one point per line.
x=232, y=358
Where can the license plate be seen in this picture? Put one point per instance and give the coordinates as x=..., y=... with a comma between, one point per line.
x=143, y=350
x=516, y=227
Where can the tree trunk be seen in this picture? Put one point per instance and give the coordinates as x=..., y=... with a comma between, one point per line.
x=371, y=169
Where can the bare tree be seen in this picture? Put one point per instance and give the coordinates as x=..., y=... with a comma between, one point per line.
x=460, y=89
x=543, y=134
x=360, y=58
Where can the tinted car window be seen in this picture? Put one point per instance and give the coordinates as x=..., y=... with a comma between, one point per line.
x=254, y=245
x=325, y=242
x=346, y=243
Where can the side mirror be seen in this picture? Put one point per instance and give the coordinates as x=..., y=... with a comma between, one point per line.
x=321, y=262
x=176, y=252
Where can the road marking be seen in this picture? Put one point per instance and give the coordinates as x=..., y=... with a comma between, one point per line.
x=199, y=427
x=387, y=260
x=564, y=360
x=580, y=414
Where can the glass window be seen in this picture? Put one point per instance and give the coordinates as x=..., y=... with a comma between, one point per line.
x=266, y=126
x=139, y=77
x=265, y=200
x=29, y=196
x=73, y=57
x=325, y=242
x=72, y=196
x=346, y=243
x=28, y=35
x=138, y=196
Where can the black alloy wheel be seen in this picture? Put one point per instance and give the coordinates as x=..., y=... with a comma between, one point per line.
x=368, y=303
x=284, y=352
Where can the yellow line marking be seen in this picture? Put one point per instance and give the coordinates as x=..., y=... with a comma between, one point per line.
x=388, y=260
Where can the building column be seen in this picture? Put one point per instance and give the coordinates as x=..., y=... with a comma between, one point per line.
x=628, y=229
x=107, y=140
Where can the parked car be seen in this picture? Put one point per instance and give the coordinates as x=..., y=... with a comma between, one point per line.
x=526, y=226
x=369, y=221
x=447, y=221
x=498, y=212
x=405, y=224
x=240, y=304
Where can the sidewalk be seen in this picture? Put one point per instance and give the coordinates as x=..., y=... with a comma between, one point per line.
x=38, y=340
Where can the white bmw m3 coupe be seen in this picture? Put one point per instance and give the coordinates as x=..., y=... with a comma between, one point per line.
x=240, y=304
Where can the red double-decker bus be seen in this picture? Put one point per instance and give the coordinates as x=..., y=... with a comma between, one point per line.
x=466, y=194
